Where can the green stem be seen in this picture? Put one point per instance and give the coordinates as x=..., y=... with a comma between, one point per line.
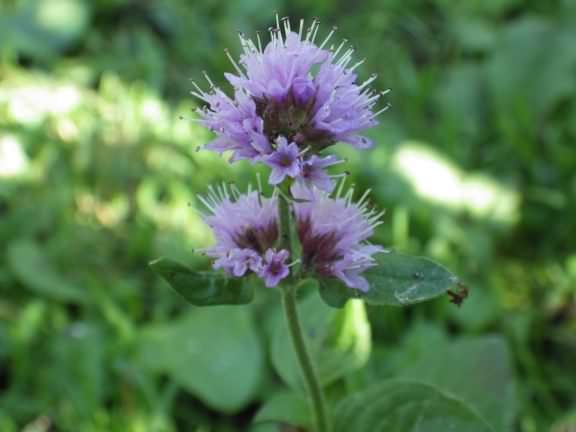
x=285, y=219
x=304, y=359
x=289, y=240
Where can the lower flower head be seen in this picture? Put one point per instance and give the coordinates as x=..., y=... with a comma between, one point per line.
x=332, y=231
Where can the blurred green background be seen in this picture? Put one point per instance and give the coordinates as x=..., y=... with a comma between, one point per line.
x=475, y=164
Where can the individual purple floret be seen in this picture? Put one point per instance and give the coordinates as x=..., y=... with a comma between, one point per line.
x=332, y=232
x=274, y=267
x=284, y=161
x=313, y=173
x=307, y=94
x=238, y=261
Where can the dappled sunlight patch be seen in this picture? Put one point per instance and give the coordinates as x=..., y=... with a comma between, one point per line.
x=168, y=206
x=108, y=213
x=31, y=101
x=438, y=180
x=356, y=332
x=13, y=159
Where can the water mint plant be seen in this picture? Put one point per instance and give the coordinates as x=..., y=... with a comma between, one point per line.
x=293, y=99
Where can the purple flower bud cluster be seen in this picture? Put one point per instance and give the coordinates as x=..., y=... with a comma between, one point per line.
x=292, y=99
x=246, y=230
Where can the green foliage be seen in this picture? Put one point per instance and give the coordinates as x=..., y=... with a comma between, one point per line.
x=406, y=407
x=453, y=368
x=25, y=255
x=98, y=175
x=338, y=340
x=286, y=407
x=220, y=357
x=396, y=280
x=204, y=288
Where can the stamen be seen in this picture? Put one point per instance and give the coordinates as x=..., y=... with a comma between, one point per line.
x=370, y=80
x=377, y=113
x=240, y=72
x=293, y=263
x=332, y=31
x=286, y=22
x=212, y=86
x=368, y=230
x=345, y=59
x=317, y=21
x=206, y=203
x=348, y=196
x=340, y=175
x=340, y=188
x=311, y=30
x=306, y=149
x=235, y=191
x=377, y=217
x=272, y=38
x=364, y=196
x=259, y=42
x=278, y=29
x=344, y=42
x=372, y=99
x=259, y=182
x=199, y=96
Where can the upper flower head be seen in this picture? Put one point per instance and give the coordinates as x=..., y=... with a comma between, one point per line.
x=332, y=232
x=307, y=94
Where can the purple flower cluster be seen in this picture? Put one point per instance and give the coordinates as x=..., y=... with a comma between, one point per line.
x=246, y=231
x=292, y=99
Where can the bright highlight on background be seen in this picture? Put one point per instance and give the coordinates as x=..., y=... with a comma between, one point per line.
x=13, y=160
x=438, y=180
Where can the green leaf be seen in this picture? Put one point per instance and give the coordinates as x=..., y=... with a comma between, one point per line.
x=77, y=376
x=512, y=69
x=43, y=29
x=285, y=407
x=335, y=293
x=453, y=368
x=204, y=288
x=403, y=406
x=402, y=280
x=32, y=268
x=339, y=341
x=213, y=353
x=397, y=280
